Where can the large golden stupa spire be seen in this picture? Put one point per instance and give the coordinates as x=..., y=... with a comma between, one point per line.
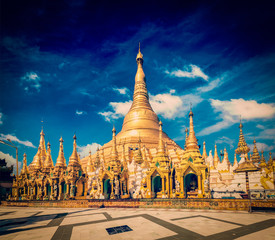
x=141, y=115
x=61, y=162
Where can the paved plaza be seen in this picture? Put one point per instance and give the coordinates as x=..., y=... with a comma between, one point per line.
x=120, y=223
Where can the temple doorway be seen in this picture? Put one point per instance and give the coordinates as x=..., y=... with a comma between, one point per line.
x=156, y=186
x=107, y=189
x=48, y=189
x=191, y=185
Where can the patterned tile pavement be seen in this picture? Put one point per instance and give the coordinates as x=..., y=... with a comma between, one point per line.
x=64, y=224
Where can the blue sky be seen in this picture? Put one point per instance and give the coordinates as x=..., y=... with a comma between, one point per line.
x=72, y=65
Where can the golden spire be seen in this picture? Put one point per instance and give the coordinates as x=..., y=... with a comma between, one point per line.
x=114, y=154
x=225, y=159
x=192, y=142
x=24, y=168
x=262, y=162
x=48, y=162
x=161, y=144
x=74, y=158
x=60, y=161
x=97, y=158
x=242, y=146
x=42, y=145
x=161, y=157
x=141, y=115
x=270, y=161
x=216, y=157
x=255, y=155
x=235, y=160
x=186, y=137
x=204, y=153
x=36, y=163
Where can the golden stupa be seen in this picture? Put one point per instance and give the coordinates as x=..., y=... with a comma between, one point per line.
x=141, y=123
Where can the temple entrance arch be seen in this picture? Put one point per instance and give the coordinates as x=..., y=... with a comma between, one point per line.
x=107, y=189
x=80, y=188
x=190, y=185
x=48, y=190
x=156, y=185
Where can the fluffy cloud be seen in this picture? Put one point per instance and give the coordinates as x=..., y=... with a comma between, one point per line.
x=120, y=109
x=166, y=105
x=225, y=140
x=10, y=161
x=172, y=106
x=261, y=146
x=230, y=112
x=32, y=80
x=77, y=112
x=84, y=150
x=210, y=86
x=246, y=109
x=191, y=71
x=122, y=91
x=1, y=118
x=13, y=138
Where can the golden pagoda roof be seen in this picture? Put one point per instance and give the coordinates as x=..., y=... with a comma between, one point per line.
x=242, y=146
x=48, y=162
x=262, y=162
x=255, y=156
x=36, y=163
x=204, y=153
x=60, y=161
x=74, y=158
x=246, y=166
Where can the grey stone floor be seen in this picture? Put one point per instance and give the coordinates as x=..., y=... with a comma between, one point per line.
x=61, y=224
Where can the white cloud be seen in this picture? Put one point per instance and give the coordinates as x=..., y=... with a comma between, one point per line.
x=32, y=79
x=261, y=146
x=13, y=138
x=166, y=105
x=246, y=109
x=225, y=140
x=260, y=126
x=230, y=112
x=84, y=150
x=122, y=91
x=191, y=71
x=1, y=118
x=10, y=161
x=210, y=86
x=120, y=109
x=77, y=112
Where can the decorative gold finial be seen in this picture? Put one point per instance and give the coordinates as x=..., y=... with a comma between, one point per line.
x=139, y=55
x=242, y=146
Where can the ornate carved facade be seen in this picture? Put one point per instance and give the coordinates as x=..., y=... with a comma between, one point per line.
x=143, y=162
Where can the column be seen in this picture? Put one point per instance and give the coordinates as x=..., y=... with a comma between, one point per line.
x=199, y=186
x=162, y=183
